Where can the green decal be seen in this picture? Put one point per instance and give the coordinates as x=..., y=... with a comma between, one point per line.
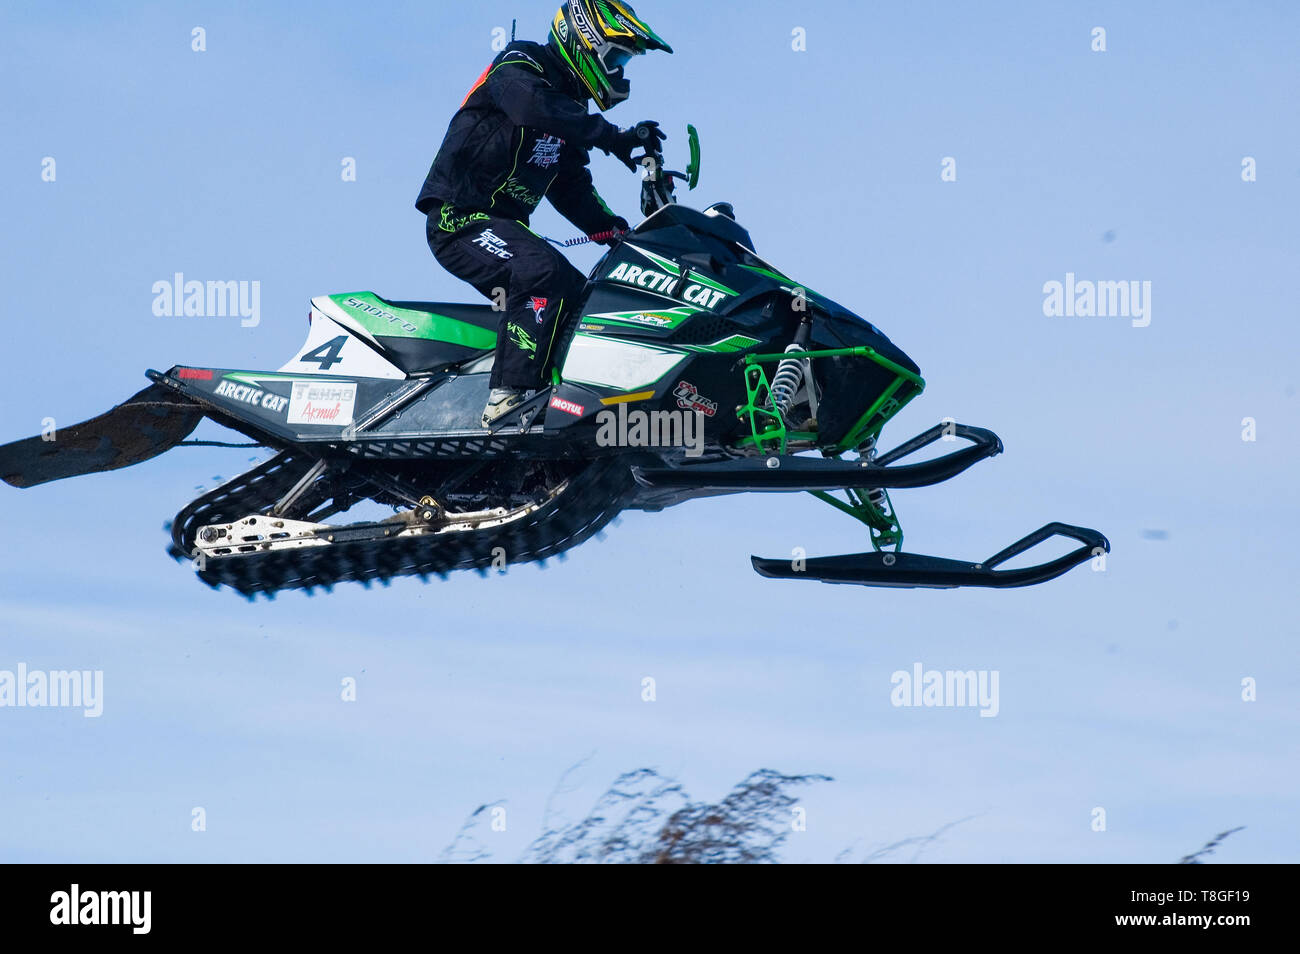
x=602, y=202
x=710, y=283
x=520, y=339
x=449, y=221
x=380, y=318
x=667, y=264
x=520, y=193
x=609, y=17
x=664, y=318
x=793, y=288
x=595, y=77
x=726, y=345
x=257, y=377
x=767, y=272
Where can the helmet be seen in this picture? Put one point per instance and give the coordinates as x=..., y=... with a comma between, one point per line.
x=596, y=38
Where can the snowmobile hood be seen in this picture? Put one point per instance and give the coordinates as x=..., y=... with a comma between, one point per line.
x=765, y=276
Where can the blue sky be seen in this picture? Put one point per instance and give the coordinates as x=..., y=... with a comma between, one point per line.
x=1119, y=689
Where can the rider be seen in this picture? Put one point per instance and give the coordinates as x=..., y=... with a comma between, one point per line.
x=523, y=132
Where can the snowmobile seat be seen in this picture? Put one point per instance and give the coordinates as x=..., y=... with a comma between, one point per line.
x=484, y=316
x=416, y=355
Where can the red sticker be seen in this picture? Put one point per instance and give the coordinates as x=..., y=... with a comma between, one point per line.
x=194, y=374
x=689, y=398
x=538, y=305
x=568, y=407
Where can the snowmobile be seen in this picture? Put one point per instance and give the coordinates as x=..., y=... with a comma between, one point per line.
x=683, y=332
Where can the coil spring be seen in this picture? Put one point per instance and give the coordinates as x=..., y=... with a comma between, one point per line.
x=867, y=452
x=788, y=377
x=593, y=237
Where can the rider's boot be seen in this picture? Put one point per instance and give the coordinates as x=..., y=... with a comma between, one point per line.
x=501, y=401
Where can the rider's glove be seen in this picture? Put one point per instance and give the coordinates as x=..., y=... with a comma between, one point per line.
x=621, y=143
x=616, y=229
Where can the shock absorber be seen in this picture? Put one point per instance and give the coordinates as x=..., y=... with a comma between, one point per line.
x=790, y=372
x=786, y=381
x=877, y=496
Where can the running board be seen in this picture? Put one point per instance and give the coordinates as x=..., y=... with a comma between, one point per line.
x=787, y=473
x=916, y=570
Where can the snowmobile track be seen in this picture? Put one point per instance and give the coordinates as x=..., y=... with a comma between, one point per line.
x=369, y=552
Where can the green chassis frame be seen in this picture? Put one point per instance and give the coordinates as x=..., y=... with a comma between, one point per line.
x=768, y=432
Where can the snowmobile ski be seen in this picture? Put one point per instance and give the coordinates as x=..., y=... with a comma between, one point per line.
x=917, y=570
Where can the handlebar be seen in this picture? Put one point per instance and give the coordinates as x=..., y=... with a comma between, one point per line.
x=657, y=188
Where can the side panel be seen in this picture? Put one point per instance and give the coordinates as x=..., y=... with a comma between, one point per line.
x=616, y=363
x=416, y=339
x=290, y=407
x=331, y=348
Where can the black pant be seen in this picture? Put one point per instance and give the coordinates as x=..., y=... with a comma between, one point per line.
x=513, y=266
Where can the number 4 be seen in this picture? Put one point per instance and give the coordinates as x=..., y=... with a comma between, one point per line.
x=327, y=355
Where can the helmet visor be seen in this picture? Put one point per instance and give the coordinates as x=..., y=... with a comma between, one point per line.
x=616, y=57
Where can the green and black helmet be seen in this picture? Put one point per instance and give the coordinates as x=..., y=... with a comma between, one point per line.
x=596, y=38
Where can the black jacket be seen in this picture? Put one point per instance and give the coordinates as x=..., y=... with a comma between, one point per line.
x=523, y=132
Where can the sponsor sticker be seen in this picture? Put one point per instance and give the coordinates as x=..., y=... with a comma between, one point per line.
x=646, y=278
x=247, y=394
x=491, y=242
x=316, y=402
x=538, y=305
x=546, y=151
x=378, y=312
x=584, y=26
x=568, y=407
x=703, y=296
x=648, y=318
x=689, y=399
